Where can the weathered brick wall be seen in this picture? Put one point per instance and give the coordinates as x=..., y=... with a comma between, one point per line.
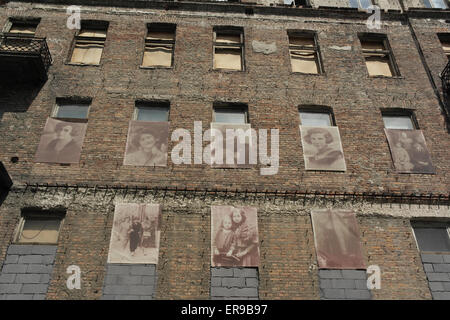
x=389, y=243
x=288, y=267
x=271, y=91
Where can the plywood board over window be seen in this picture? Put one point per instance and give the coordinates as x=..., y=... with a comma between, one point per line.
x=378, y=56
x=89, y=44
x=228, y=46
x=304, y=54
x=159, y=46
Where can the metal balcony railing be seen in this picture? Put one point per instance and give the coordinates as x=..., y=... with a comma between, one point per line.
x=26, y=46
x=445, y=77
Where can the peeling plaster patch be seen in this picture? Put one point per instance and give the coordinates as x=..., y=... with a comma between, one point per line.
x=344, y=48
x=262, y=47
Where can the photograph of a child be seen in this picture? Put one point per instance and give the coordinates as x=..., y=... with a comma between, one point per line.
x=147, y=144
x=135, y=234
x=409, y=151
x=337, y=239
x=234, y=237
x=61, y=141
x=322, y=148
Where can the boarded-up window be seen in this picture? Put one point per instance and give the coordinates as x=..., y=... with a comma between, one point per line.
x=228, y=49
x=337, y=239
x=304, y=53
x=159, y=46
x=378, y=56
x=445, y=42
x=24, y=27
x=39, y=230
x=155, y=111
x=89, y=44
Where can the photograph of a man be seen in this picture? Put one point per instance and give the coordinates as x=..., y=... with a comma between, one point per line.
x=135, y=233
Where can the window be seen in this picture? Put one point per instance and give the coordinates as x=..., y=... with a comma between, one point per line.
x=304, y=52
x=42, y=228
x=159, y=45
x=363, y=4
x=67, y=109
x=378, y=56
x=316, y=117
x=89, y=43
x=432, y=236
x=445, y=42
x=152, y=111
x=437, y=4
x=228, y=48
x=401, y=119
x=24, y=26
x=230, y=113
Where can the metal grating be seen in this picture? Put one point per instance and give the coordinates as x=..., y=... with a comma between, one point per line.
x=445, y=76
x=25, y=45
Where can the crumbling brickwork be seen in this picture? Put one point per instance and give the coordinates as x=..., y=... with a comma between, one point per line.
x=288, y=268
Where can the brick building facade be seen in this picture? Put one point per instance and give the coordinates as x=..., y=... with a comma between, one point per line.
x=386, y=203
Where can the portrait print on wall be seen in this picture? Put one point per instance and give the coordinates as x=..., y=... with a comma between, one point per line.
x=234, y=237
x=147, y=144
x=61, y=141
x=337, y=239
x=322, y=148
x=409, y=151
x=240, y=159
x=135, y=234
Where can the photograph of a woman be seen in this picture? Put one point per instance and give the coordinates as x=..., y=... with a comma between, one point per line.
x=135, y=234
x=61, y=142
x=409, y=151
x=322, y=149
x=147, y=144
x=234, y=241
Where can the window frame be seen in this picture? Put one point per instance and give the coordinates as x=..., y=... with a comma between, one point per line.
x=383, y=38
x=30, y=214
x=431, y=225
x=242, y=107
x=316, y=49
x=317, y=109
x=23, y=21
x=88, y=25
x=232, y=30
x=397, y=112
x=149, y=104
x=158, y=27
x=67, y=101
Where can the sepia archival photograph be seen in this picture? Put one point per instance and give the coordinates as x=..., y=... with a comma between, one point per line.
x=337, y=239
x=409, y=151
x=135, y=234
x=322, y=148
x=234, y=237
x=241, y=156
x=61, y=141
x=147, y=144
